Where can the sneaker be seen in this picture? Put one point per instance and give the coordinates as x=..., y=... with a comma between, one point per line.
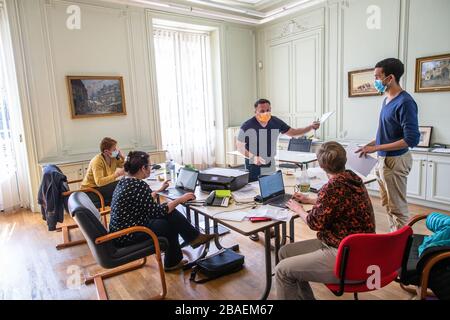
x=179, y=266
x=202, y=239
x=254, y=237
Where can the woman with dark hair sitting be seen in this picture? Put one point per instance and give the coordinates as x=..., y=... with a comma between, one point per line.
x=133, y=204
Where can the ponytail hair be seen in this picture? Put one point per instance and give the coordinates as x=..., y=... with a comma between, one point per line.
x=135, y=161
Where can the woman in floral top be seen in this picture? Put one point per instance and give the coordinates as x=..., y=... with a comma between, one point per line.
x=342, y=208
x=133, y=204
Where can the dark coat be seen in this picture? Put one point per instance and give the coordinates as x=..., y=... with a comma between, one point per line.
x=50, y=198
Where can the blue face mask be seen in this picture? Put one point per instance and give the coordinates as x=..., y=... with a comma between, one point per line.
x=381, y=88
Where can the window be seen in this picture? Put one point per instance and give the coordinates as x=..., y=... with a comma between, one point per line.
x=183, y=67
x=10, y=196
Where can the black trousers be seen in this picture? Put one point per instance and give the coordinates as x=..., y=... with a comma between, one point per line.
x=254, y=170
x=107, y=193
x=170, y=227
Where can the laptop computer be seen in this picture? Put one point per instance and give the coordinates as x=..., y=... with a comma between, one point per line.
x=272, y=191
x=186, y=182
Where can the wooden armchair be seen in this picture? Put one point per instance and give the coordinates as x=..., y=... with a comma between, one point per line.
x=109, y=256
x=416, y=269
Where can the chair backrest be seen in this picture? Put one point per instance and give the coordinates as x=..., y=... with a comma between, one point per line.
x=87, y=217
x=385, y=251
x=300, y=145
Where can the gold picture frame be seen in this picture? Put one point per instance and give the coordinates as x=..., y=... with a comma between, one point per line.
x=360, y=83
x=433, y=73
x=96, y=96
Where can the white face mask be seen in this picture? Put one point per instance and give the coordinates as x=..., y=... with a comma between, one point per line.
x=115, y=154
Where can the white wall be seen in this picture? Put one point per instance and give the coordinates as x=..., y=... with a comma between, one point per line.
x=113, y=40
x=429, y=35
x=362, y=49
x=409, y=29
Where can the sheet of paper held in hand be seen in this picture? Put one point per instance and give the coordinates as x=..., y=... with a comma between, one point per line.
x=362, y=165
x=326, y=116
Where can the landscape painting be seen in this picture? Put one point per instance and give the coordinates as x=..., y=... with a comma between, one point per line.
x=96, y=96
x=360, y=83
x=433, y=74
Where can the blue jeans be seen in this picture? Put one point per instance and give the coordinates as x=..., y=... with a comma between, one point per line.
x=255, y=171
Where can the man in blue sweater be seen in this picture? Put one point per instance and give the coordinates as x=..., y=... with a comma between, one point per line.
x=398, y=130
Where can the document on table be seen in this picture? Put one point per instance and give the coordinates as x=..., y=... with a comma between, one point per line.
x=232, y=215
x=247, y=193
x=326, y=116
x=273, y=213
x=441, y=150
x=362, y=165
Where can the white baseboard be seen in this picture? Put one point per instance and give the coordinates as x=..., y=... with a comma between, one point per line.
x=425, y=203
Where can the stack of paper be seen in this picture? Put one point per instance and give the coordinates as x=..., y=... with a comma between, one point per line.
x=442, y=150
x=232, y=215
x=247, y=193
x=273, y=213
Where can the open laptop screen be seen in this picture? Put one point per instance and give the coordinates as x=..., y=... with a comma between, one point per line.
x=187, y=179
x=271, y=185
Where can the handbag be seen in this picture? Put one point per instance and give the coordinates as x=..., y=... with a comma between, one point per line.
x=221, y=263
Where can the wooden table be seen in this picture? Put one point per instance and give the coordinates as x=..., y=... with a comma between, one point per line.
x=245, y=228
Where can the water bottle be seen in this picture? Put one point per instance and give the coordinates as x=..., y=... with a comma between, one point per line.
x=173, y=176
x=167, y=170
x=304, y=183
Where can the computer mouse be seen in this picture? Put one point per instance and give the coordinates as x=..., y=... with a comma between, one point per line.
x=156, y=167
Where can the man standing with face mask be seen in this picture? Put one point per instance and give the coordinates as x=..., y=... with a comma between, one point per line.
x=398, y=131
x=257, y=140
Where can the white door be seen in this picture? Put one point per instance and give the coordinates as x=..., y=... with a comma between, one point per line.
x=417, y=179
x=279, y=80
x=438, y=176
x=307, y=80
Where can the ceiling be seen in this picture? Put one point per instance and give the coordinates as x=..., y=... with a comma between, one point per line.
x=253, y=12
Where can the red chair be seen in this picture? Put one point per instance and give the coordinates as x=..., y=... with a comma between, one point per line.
x=358, y=252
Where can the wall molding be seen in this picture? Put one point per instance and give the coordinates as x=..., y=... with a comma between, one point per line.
x=64, y=149
x=405, y=6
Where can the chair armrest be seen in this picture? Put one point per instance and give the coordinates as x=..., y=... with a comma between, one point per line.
x=74, y=181
x=427, y=269
x=99, y=195
x=105, y=212
x=416, y=219
x=118, y=234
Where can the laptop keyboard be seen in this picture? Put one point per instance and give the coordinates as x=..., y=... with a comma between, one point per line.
x=281, y=200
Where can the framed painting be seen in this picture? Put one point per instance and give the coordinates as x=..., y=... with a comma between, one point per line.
x=360, y=83
x=425, y=137
x=433, y=73
x=96, y=96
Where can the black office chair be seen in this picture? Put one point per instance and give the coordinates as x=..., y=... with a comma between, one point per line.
x=105, y=252
x=298, y=145
x=431, y=270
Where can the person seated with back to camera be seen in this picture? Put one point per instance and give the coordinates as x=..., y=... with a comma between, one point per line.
x=134, y=204
x=104, y=170
x=342, y=208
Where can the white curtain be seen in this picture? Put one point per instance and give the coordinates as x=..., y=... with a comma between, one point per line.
x=183, y=66
x=13, y=181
